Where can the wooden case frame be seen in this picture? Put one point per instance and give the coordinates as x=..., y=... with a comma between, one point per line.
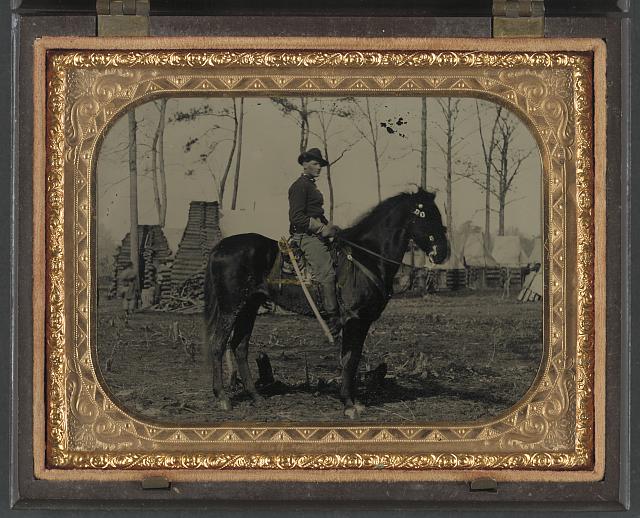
x=587, y=461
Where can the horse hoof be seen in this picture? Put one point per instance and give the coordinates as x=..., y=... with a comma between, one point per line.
x=360, y=408
x=351, y=412
x=225, y=404
x=257, y=399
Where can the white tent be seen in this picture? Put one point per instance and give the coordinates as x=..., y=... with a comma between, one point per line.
x=474, y=253
x=507, y=251
x=273, y=223
x=535, y=257
x=533, y=286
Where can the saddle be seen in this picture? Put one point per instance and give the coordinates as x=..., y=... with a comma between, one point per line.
x=283, y=275
x=286, y=266
x=283, y=272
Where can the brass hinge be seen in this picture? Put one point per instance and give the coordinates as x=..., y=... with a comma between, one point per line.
x=518, y=18
x=123, y=17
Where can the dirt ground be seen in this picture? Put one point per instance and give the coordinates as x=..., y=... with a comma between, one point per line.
x=455, y=357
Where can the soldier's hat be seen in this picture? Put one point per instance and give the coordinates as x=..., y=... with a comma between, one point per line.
x=312, y=154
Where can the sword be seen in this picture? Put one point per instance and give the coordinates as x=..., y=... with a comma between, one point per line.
x=314, y=308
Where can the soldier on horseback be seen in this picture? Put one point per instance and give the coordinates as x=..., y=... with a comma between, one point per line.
x=311, y=231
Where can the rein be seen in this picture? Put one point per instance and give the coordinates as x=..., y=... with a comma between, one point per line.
x=371, y=252
x=368, y=273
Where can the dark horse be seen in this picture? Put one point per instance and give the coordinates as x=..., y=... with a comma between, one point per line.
x=236, y=283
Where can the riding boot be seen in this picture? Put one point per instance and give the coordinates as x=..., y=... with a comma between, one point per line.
x=331, y=309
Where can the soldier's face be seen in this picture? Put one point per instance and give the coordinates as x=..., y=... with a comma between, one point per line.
x=312, y=168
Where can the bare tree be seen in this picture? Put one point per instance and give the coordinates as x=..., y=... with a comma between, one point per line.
x=211, y=140
x=450, y=110
x=327, y=114
x=423, y=144
x=133, y=195
x=487, y=153
x=304, y=123
x=234, y=142
x=509, y=164
x=300, y=112
x=368, y=125
x=502, y=163
x=236, y=178
x=157, y=164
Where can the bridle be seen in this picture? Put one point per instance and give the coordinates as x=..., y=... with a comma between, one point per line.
x=418, y=213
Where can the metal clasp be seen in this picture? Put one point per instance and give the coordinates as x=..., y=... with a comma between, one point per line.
x=518, y=18
x=484, y=484
x=155, y=483
x=123, y=17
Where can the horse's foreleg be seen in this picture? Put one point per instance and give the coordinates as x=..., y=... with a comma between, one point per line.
x=353, y=337
x=218, y=343
x=240, y=345
x=232, y=369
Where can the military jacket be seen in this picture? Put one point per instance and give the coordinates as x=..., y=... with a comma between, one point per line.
x=305, y=201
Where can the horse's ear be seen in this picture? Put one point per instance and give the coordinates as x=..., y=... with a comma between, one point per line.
x=431, y=196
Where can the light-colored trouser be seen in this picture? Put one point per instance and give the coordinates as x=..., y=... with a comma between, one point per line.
x=318, y=257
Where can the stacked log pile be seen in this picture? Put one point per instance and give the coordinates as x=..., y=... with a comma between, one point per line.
x=202, y=233
x=153, y=251
x=164, y=278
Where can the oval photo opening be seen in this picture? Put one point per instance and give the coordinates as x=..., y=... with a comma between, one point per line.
x=319, y=259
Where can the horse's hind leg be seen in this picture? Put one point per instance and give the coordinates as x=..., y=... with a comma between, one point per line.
x=240, y=344
x=218, y=338
x=353, y=337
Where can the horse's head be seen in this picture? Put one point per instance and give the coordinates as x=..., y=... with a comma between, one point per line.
x=426, y=228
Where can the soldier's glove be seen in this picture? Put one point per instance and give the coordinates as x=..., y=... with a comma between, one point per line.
x=329, y=230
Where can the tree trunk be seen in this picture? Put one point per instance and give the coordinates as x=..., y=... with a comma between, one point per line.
x=449, y=168
x=154, y=174
x=236, y=178
x=304, y=124
x=157, y=166
x=423, y=147
x=502, y=194
x=329, y=181
x=223, y=181
x=488, y=163
x=133, y=198
x=374, y=145
x=487, y=208
x=375, y=155
x=501, y=215
x=449, y=184
x=163, y=178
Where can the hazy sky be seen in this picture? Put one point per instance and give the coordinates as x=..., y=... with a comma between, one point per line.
x=269, y=165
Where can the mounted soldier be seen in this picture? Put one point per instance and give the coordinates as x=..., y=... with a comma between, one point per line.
x=311, y=231
x=237, y=280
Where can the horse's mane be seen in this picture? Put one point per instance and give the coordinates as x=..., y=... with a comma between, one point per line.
x=375, y=215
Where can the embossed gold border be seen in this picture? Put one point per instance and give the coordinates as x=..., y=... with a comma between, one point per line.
x=554, y=432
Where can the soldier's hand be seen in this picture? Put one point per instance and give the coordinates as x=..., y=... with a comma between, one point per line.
x=335, y=229
x=330, y=230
